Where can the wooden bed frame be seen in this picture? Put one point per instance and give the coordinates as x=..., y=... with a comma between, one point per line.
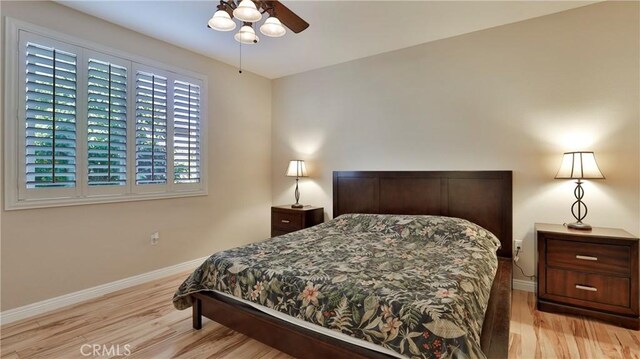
x=483, y=197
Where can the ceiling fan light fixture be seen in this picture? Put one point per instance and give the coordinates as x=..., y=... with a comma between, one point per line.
x=272, y=27
x=246, y=35
x=247, y=11
x=221, y=21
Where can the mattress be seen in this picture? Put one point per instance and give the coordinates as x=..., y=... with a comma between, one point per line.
x=414, y=285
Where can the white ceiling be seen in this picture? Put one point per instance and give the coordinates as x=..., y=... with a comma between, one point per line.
x=339, y=31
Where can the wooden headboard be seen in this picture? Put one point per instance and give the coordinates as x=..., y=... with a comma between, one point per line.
x=482, y=197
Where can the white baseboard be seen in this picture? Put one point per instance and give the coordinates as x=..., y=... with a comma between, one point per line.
x=47, y=305
x=526, y=285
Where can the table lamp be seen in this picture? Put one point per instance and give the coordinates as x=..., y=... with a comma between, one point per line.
x=579, y=165
x=297, y=169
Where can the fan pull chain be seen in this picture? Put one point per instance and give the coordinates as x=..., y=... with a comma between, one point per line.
x=240, y=70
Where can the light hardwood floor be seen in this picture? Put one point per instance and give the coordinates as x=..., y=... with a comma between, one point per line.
x=144, y=318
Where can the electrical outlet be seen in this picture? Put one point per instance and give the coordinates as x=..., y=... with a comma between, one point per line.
x=155, y=237
x=518, y=243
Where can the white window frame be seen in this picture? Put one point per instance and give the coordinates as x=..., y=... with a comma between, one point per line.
x=153, y=188
x=30, y=194
x=179, y=187
x=17, y=196
x=97, y=191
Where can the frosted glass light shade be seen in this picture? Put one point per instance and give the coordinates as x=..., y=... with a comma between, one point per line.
x=221, y=21
x=272, y=27
x=246, y=35
x=579, y=165
x=296, y=169
x=247, y=11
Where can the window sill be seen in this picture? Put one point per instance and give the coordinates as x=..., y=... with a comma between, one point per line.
x=11, y=205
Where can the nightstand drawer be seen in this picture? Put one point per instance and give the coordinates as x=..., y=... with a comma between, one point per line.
x=286, y=221
x=589, y=257
x=590, y=287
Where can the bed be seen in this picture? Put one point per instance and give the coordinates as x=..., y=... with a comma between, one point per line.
x=360, y=278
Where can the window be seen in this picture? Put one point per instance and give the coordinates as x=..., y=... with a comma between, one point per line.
x=106, y=123
x=89, y=125
x=50, y=102
x=186, y=132
x=151, y=128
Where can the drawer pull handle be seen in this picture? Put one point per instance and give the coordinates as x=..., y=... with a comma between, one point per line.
x=584, y=287
x=586, y=258
x=285, y=221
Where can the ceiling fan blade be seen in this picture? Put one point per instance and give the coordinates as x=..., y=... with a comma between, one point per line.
x=288, y=17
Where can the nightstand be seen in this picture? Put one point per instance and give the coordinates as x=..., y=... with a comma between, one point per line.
x=285, y=219
x=592, y=273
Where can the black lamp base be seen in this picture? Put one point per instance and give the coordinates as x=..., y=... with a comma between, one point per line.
x=297, y=195
x=581, y=208
x=579, y=225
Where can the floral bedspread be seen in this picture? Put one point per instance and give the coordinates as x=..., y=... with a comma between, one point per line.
x=418, y=285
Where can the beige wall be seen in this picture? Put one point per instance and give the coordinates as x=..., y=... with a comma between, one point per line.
x=50, y=252
x=513, y=97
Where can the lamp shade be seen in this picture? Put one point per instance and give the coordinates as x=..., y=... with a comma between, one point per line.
x=221, y=21
x=272, y=27
x=246, y=35
x=247, y=11
x=296, y=169
x=579, y=165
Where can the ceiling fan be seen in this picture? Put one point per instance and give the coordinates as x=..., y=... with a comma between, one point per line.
x=250, y=12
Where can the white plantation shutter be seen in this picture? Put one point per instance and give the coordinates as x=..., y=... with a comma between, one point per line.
x=50, y=118
x=106, y=123
x=93, y=125
x=151, y=128
x=186, y=132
